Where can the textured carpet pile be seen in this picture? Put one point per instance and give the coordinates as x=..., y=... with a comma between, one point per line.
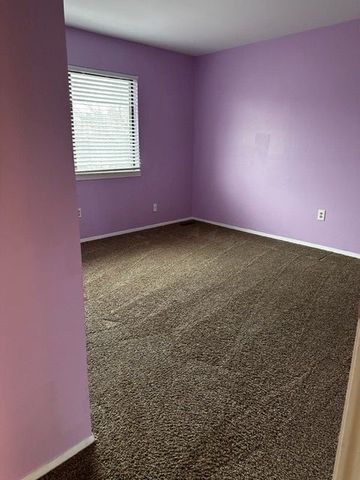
x=214, y=354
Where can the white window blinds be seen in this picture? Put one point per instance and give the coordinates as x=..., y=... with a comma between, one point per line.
x=104, y=122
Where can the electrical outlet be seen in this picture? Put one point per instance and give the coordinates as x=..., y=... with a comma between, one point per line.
x=79, y=212
x=321, y=214
x=154, y=207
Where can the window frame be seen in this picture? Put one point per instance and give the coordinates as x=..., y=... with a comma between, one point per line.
x=115, y=173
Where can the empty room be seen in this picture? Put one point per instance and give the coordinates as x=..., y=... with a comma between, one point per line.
x=180, y=240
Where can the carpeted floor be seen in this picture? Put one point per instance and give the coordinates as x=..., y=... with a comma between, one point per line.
x=214, y=354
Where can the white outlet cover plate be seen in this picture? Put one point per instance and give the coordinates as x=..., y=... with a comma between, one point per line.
x=321, y=214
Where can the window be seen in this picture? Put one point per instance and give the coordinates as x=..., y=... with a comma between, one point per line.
x=104, y=123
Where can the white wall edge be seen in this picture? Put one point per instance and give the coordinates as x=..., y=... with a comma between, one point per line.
x=40, y=472
x=131, y=230
x=347, y=463
x=284, y=239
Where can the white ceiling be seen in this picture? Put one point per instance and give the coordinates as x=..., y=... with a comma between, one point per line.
x=204, y=26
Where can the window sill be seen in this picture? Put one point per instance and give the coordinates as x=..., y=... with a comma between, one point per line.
x=103, y=175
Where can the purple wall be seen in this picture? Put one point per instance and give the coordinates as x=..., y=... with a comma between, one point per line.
x=44, y=406
x=166, y=136
x=277, y=136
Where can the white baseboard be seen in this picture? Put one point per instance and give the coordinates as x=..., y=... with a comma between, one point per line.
x=131, y=230
x=225, y=225
x=284, y=239
x=40, y=472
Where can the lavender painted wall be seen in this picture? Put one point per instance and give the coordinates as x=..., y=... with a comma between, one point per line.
x=166, y=136
x=44, y=406
x=277, y=136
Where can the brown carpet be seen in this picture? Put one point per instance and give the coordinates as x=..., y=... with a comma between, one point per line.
x=214, y=354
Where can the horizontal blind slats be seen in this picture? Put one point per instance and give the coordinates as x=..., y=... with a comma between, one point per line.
x=118, y=170
x=104, y=122
x=105, y=149
x=103, y=82
x=96, y=90
x=90, y=140
x=118, y=157
x=111, y=164
x=96, y=78
x=102, y=97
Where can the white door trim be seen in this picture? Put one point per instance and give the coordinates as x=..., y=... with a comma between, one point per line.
x=347, y=463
